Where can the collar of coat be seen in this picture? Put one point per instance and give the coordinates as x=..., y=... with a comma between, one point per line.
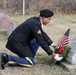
x=39, y=22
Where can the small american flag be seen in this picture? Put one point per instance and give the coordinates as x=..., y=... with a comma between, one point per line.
x=64, y=39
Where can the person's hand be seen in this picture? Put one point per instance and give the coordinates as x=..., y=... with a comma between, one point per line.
x=57, y=57
x=53, y=45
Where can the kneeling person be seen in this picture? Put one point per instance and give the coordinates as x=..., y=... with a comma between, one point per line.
x=26, y=39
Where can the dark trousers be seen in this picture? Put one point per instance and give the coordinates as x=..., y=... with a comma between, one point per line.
x=25, y=61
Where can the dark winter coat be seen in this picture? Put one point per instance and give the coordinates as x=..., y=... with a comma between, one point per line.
x=24, y=33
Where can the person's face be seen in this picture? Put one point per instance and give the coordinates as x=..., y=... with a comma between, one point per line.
x=46, y=20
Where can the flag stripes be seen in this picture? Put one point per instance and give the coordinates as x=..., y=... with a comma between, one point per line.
x=64, y=39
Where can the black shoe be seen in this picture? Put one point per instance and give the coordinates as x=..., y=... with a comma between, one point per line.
x=4, y=60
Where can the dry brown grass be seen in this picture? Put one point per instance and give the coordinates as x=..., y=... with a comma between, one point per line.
x=57, y=27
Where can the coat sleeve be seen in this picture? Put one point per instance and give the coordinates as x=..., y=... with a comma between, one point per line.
x=38, y=35
x=46, y=38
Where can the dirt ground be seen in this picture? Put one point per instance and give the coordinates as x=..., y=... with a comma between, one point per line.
x=58, y=26
x=42, y=67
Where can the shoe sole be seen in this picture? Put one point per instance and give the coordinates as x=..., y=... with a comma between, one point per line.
x=2, y=64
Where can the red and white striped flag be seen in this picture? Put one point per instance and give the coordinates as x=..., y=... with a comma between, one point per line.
x=64, y=39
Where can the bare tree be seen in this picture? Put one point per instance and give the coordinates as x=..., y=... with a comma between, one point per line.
x=34, y=6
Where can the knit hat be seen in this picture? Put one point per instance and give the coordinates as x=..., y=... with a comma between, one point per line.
x=46, y=13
